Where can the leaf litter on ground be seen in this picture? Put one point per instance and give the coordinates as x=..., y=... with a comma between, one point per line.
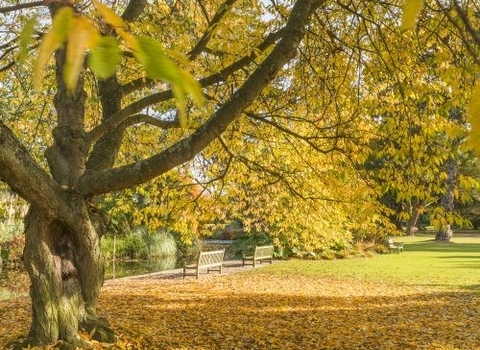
x=258, y=309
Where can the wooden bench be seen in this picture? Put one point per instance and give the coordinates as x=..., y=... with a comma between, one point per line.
x=212, y=261
x=261, y=253
x=393, y=246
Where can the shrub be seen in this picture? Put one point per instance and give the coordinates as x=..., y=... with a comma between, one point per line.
x=8, y=232
x=161, y=243
x=140, y=244
x=132, y=246
x=247, y=244
x=187, y=247
x=107, y=246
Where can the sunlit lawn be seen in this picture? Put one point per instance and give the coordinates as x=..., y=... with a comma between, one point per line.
x=424, y=262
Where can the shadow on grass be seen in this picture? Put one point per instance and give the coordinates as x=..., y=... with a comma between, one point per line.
x=446, y=247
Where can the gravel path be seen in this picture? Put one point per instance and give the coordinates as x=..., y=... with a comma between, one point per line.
x=229, y=267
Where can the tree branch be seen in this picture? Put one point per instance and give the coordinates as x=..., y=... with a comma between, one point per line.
x=20, y=171
x=470, y=30
x=306, y=139
x=466, y=22
x=134, y=9
x=216, y=77
x=147, y=119
x=98, y=182
x=202, y=43
x=17, y=7
x=120, y=117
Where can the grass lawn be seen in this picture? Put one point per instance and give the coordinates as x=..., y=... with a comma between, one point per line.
x=425, y=298
x=424, y=262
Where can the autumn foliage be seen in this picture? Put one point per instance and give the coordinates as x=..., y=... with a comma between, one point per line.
x=261, y=309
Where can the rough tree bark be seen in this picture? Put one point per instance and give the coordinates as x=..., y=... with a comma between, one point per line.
x=63, y=230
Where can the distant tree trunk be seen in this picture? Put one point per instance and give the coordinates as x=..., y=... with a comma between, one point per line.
x=414, y=216
x=445, y=233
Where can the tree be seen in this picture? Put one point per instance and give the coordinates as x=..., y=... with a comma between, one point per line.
x=111, y=129
x=63, y=229
x=420, y=113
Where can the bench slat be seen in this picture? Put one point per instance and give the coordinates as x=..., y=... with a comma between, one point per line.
x=212, y=261
x=261, y=253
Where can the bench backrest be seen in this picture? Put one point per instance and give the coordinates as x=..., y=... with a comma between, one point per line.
x=391, y=243
x=209, y=258
x=263, y=251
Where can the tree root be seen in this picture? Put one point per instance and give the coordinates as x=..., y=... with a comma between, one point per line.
x=99, y=329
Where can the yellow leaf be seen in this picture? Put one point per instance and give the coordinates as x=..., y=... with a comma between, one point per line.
x=474, y=119
x=108, y=15
x=52, y=41
x=81, y=36
x=116, y=22
x=411, y=10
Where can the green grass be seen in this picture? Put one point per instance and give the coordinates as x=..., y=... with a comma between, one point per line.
x=424, y=263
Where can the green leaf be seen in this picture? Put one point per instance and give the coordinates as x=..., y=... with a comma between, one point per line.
x=193, y=88
x=61, y=24
x=151, y=55
x=26, y=37
x=105, y=57
x=411, y=11
x=158, y=65
x=180, y=104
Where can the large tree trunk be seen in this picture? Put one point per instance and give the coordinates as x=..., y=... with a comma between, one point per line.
x=65, y=266
x=62, y=254
x=66, y=271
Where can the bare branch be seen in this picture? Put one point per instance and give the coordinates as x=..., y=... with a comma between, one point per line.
x=17, y=7
x=307, y=139
x=7, y=66
x=202, y=43
x=147, y=119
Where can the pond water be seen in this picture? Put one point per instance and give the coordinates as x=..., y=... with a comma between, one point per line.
x=125, y=268
x=117, y=268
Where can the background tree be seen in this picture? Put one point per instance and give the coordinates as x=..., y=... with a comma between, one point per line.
x=418, y=108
